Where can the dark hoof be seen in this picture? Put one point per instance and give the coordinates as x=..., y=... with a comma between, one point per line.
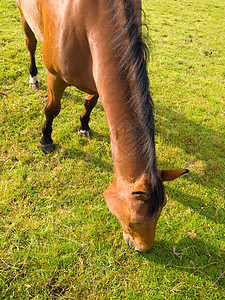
x=84, y=133
x=35, y=86
x=46, y=148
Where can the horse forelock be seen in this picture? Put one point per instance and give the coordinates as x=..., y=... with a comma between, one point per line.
x=132, y=53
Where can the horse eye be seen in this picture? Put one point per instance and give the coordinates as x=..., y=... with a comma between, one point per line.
x=141, y=195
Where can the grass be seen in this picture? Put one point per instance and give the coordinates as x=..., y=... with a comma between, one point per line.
x=58, y=239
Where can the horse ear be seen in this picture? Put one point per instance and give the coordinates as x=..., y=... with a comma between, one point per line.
x=168, y=175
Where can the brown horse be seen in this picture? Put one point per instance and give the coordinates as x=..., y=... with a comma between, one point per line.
x=97, y=46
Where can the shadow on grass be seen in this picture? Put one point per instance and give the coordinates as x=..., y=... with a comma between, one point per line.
x=206, y=145
x=211, y=211
x=92, y=157
x=201, y=141
x=100, y=136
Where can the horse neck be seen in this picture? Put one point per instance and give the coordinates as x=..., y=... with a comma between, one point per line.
x=131, y=124
x=133, y=150
x=122, y=84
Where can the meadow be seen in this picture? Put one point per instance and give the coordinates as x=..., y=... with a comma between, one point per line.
x=58, y=238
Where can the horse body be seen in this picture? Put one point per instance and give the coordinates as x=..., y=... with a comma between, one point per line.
x=64, y=38
x=83, y=46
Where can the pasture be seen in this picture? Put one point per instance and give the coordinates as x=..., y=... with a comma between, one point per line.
x=58, y=238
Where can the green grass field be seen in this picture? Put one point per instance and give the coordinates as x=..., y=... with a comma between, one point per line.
x=58, y=238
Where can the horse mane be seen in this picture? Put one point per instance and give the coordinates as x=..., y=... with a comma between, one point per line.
x=132, y=54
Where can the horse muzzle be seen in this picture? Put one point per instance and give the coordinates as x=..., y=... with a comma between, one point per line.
x=134, y=245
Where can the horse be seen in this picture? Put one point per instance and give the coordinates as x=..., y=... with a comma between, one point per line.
x=98, y=47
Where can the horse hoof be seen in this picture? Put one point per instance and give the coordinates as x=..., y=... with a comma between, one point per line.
x=35, y=86
x=46, y=148
x=84, y=133
x=34, y=83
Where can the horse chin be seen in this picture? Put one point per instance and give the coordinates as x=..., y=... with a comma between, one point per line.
x=139, y=247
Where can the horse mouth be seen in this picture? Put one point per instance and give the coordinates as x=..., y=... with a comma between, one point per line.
x=131, y=243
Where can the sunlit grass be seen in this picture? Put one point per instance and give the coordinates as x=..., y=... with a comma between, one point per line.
x=58, y=239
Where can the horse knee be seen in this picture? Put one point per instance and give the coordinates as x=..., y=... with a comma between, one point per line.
x=52, y=111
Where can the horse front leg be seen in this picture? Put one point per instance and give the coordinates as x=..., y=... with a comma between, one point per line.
x=89, y=103
x=31, y=43
x=55, y=88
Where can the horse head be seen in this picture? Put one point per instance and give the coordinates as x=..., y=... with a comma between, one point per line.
x=138, y=206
